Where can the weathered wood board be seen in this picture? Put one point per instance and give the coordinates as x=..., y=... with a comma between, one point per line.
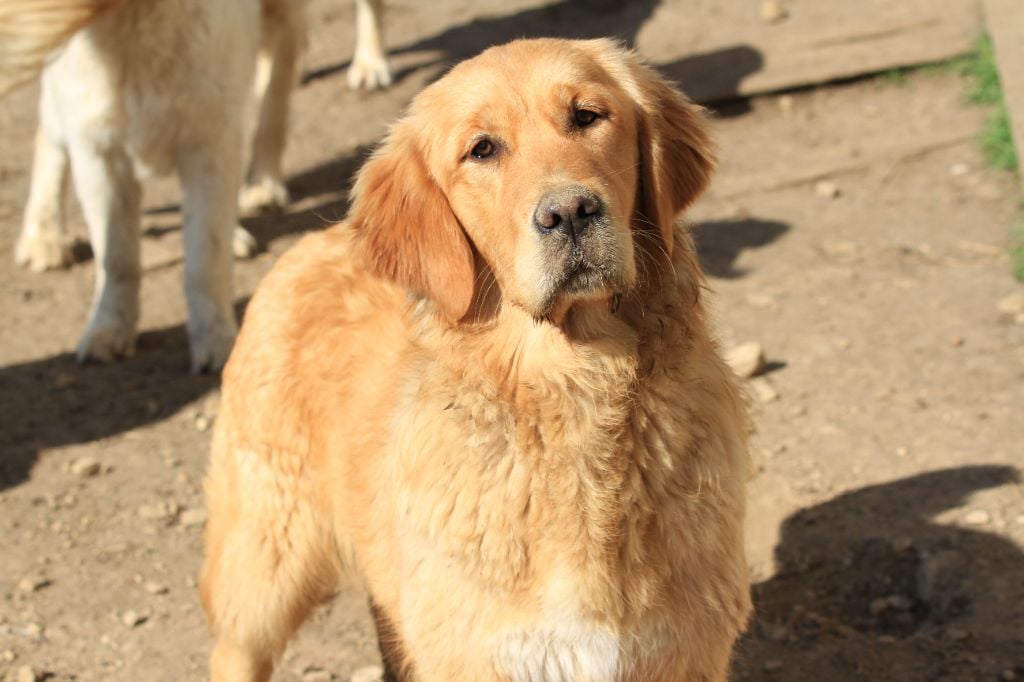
x=717, y=49
x=725, y=49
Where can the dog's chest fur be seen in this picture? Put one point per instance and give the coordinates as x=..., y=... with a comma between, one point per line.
x=556, y=498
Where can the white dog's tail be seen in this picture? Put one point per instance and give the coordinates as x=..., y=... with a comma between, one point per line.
x=31, y=30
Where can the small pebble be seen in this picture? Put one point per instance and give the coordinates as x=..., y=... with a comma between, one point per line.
x=1008, y=675
x=85, y=467
x=772, y=12
x=902, y=451
x=747, y=359
x=958, y=169
x=826, y=189
x=165, y=510
x=33, y=583
x=878, y=606
x=902, y=543
x=314, y=674
x=369, y=673
x=772, y=666
x=155, y=588
x=8, y=656
x=133, y=618
x=193, y=517
x=838, y=248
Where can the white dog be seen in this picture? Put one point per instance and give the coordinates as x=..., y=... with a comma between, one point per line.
x=159, y=86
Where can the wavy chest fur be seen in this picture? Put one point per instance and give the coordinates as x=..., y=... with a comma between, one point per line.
x=567, y=469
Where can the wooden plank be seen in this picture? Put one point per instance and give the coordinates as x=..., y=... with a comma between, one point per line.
x=717, y=49
x=1005, y=19
x=724, y=50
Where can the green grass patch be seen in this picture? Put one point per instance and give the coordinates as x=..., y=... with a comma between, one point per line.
x=1017, y=248
x=997, y=141
x=982, y=73
x=894, y=77
x=984, y=89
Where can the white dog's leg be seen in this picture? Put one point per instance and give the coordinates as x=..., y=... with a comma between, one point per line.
x=111, y=200
x=209, y=182
x=283, y=39
x=369, y=63
x=44, y=243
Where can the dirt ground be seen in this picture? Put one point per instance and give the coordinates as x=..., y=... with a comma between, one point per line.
x=886, y=515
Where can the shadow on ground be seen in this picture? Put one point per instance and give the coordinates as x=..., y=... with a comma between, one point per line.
x=54, y=401
x=712, y=76
x=563, y=19
x=720, y=242
x=869, y=587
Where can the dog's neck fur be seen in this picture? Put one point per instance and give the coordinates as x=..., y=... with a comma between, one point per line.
x=600, y=350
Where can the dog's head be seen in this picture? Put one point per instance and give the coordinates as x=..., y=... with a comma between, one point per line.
x=553, y=163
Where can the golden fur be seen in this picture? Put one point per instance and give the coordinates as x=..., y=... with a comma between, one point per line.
x=535, y=481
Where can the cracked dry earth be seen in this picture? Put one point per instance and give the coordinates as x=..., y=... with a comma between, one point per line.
x=853, y=231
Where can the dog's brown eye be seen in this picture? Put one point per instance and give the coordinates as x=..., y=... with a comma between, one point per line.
x=584, y=117
x=483, y=149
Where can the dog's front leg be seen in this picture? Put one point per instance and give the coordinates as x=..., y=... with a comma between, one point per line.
x=111, y=199
x=209, y=180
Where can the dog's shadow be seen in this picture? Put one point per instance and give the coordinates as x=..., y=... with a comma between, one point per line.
x=869, y=587
x=721, y=242
x=54, y=401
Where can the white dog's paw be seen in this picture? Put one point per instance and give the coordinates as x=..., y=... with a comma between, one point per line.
x=266, y=196
x=210, y=342
x=243, y=244
x=39, y=251
x=106, y=342
x=369, y=72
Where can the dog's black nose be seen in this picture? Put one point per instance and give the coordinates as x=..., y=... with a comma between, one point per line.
x=570, y=210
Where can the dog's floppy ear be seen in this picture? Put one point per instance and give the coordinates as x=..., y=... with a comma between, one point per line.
x=406, y=230
x=676, y=155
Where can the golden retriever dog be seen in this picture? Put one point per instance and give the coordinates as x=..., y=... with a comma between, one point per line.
x=143, y=87
x=491, y=393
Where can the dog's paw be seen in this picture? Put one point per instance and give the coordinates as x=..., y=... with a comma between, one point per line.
x=266, y=196
x=39, y=251
x=210, y=342
x=243, y=244
x=369, y=72
x=106, y=342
